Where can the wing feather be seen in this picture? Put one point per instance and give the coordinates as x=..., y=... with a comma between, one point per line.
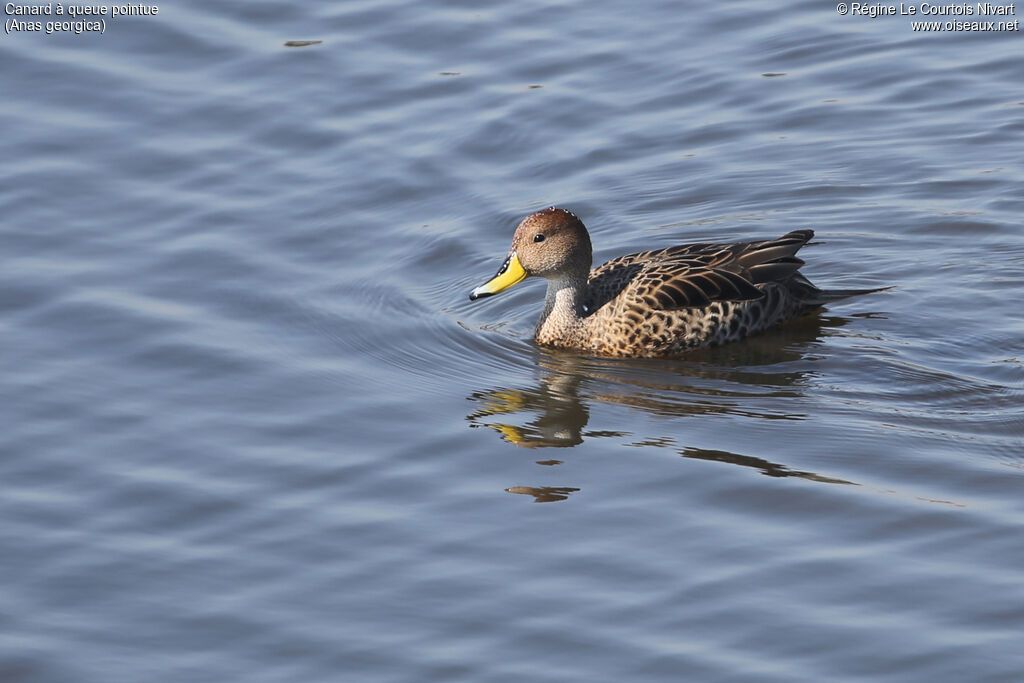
x=694, y=284
x=692, y=275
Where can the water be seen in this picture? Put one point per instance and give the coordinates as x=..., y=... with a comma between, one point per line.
x=254, y=430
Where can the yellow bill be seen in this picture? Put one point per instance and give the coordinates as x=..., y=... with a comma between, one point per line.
x=510, y=273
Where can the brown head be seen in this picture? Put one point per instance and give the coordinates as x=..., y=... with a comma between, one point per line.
x=551, y=243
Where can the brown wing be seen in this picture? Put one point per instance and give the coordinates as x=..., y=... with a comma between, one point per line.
x=763, y=261
x=773, y=260
x=696, y=274
x=691, y=283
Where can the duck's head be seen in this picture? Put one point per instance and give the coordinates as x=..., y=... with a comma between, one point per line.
x=552, y=243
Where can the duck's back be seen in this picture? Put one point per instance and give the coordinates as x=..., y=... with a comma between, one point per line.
x=664, y=302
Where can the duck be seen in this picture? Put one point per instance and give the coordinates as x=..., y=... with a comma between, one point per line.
x=660, y=303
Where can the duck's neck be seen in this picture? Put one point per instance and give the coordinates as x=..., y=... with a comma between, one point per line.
x=561, y=322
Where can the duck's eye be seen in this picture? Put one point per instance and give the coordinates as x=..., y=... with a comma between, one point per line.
x=538, y=238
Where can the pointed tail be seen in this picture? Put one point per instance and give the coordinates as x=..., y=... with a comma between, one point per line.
x=810, y=295
x=824, y=296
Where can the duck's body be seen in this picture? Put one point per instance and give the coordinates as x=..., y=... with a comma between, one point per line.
x=656, y=303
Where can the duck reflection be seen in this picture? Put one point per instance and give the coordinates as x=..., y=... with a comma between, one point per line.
x=744, y=379
x=561, y=415
x=772, y=469
x=544, y=494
